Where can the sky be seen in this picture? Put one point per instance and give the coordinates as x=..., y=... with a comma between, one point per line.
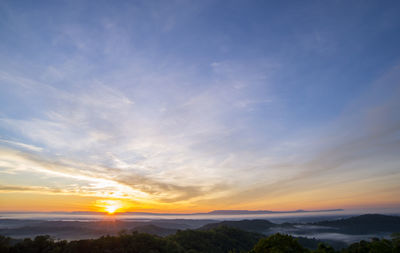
x=192, y=106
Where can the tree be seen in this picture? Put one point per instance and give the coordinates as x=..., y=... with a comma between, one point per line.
x=324, y=248
x=4, y=244
x=278, y=243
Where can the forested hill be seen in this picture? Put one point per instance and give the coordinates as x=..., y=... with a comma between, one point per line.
x=155, y=230
x=247, y=225
x=219, y=240
x=230, y=212
x=364, y=224
x=361, y=225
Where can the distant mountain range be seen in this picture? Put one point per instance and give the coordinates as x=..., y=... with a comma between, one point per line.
x=238, y=212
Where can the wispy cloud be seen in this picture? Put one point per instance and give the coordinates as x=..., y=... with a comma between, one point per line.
x=358, y=152
x=22, y=145
x=203, y=110
x=134, y=158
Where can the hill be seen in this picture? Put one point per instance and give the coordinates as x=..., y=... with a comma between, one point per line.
x=154, y=230
x=364, y=224
x=259, y=226
x=240, y=212
x=221, y=239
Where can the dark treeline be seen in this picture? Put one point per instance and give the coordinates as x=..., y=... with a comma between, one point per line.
x=221, y=239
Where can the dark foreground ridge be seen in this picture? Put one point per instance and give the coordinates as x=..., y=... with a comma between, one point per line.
x=217, y=240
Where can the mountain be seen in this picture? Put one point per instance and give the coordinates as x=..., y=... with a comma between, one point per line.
x=73, y=230
x=236, y=212
x=241, y=212
x=259, y=226
x=358, y=225
x=220, y=239
x=154, y=230
x=364, y=224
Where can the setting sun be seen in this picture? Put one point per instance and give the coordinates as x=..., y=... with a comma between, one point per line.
x=111, y=209
x=109, y=206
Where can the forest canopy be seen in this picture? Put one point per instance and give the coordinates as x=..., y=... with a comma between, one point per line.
x=216, y=240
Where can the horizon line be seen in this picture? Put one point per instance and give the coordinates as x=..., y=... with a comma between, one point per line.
x=213, y=212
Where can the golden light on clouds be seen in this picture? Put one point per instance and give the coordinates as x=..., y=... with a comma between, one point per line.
x=243, y=128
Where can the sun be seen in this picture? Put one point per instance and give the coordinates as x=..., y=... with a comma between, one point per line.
x=109, y=206
x=111, y=209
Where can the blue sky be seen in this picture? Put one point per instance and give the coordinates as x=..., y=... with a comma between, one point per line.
x=195, y=105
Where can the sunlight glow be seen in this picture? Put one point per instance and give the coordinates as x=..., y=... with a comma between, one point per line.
x=109, y=206
x=111, y=209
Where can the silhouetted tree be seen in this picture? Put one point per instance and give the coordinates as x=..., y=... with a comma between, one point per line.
x=217, y=240
x=278, y=243
x=4, y=244
x=324, y=248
